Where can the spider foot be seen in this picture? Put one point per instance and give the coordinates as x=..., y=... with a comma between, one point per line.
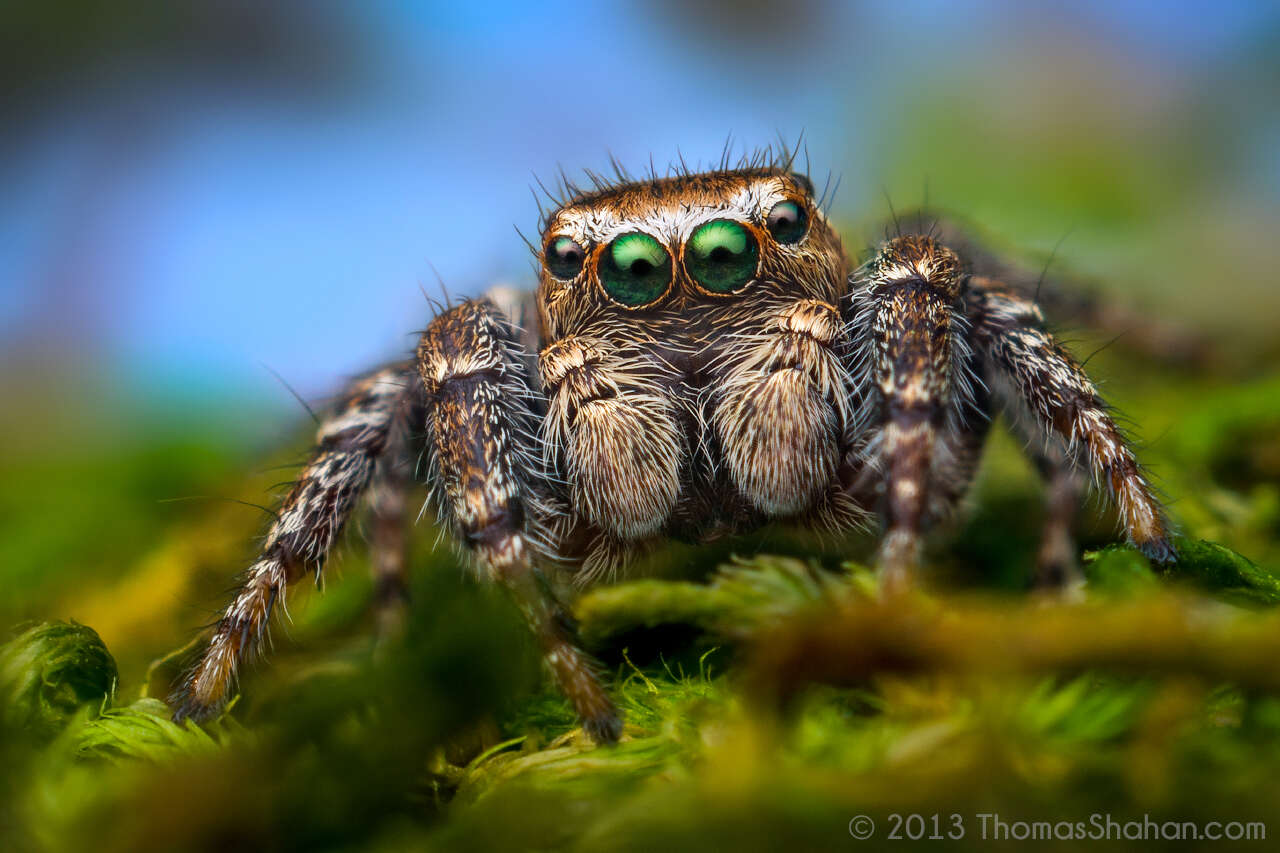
x=1056, y=564
x=898, y=559
x=1161, y=551
x=605, y=727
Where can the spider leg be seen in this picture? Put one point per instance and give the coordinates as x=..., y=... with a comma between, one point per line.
x=1030, y=371
x=481, y=428
x=1056, y=564
x=911, y=357
x=349, y=444
x=388, y=499
x=909, y=440
x=1070, y=299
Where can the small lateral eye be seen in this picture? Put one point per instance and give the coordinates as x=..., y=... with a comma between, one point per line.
x=787, y=222
x=721, y=255
x=565, y=258
x=635, y=269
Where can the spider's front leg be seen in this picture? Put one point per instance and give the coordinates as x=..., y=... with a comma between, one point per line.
x=1039, y=381
x=912, y=359
x=482, y=442
x=371, y=415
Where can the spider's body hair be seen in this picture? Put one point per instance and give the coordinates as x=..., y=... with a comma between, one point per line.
x=481, y=437
x=479, y=418
x=567, y=192
x=570, y=429
x=919, y=408
x=703, y=414
x=937, y=351
x=1041, y=382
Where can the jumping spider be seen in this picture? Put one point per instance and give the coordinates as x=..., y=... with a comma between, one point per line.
x=698, y=360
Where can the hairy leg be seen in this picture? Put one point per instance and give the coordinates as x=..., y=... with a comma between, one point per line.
x=905, y=447
x=1056, y=563
x=482, y=441
x=915, y=358
x=899, y=455
x=1030, y=371
x=388, y=533
x=1067, y=298
x=349, y=443
x=1057, y=566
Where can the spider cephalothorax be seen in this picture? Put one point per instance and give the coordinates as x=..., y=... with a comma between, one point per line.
x=698, y=360
x=692, y=385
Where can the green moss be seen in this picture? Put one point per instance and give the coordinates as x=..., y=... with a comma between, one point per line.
x=1217, y=567
x=1207, y=565
x=375, y=754
x=740, y=597
x=50, y=672
x=1118, y=570
x=141, y=731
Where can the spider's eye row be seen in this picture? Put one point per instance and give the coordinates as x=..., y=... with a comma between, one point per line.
x=787, y=222
x=565, y=257
x=635, y=269
x=722, y=255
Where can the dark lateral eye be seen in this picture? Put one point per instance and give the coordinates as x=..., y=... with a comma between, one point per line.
x=722, y=255
x=565, y=258
x=635, y=269
x=787, y=222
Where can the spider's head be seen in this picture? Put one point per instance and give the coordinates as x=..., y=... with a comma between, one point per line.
x=661, y=304
x=662, y=251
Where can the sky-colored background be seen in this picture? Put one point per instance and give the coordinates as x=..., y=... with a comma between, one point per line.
x=191, y=195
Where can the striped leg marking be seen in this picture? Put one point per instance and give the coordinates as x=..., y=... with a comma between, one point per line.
x=1040, y=376
x=348, y=446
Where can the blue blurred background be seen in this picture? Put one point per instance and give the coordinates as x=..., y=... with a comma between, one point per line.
x=194, y=190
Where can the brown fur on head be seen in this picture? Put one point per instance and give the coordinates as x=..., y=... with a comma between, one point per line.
x=669, y=209
x=660, y=408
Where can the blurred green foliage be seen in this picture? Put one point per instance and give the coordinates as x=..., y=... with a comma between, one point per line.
x=440, y=741
x=48, y=672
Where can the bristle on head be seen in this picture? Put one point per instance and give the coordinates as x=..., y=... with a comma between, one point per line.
x=595, y=186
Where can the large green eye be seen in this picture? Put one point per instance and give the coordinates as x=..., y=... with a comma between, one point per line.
x=722, y=255
x=787, y=222
x=635, y=269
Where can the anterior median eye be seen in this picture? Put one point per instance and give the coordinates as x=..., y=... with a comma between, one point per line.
x=722, y=255
x=565, y=258
x=635, y=269
x=787, y=222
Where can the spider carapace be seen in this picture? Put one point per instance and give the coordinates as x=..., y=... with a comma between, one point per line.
x=698, y=360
